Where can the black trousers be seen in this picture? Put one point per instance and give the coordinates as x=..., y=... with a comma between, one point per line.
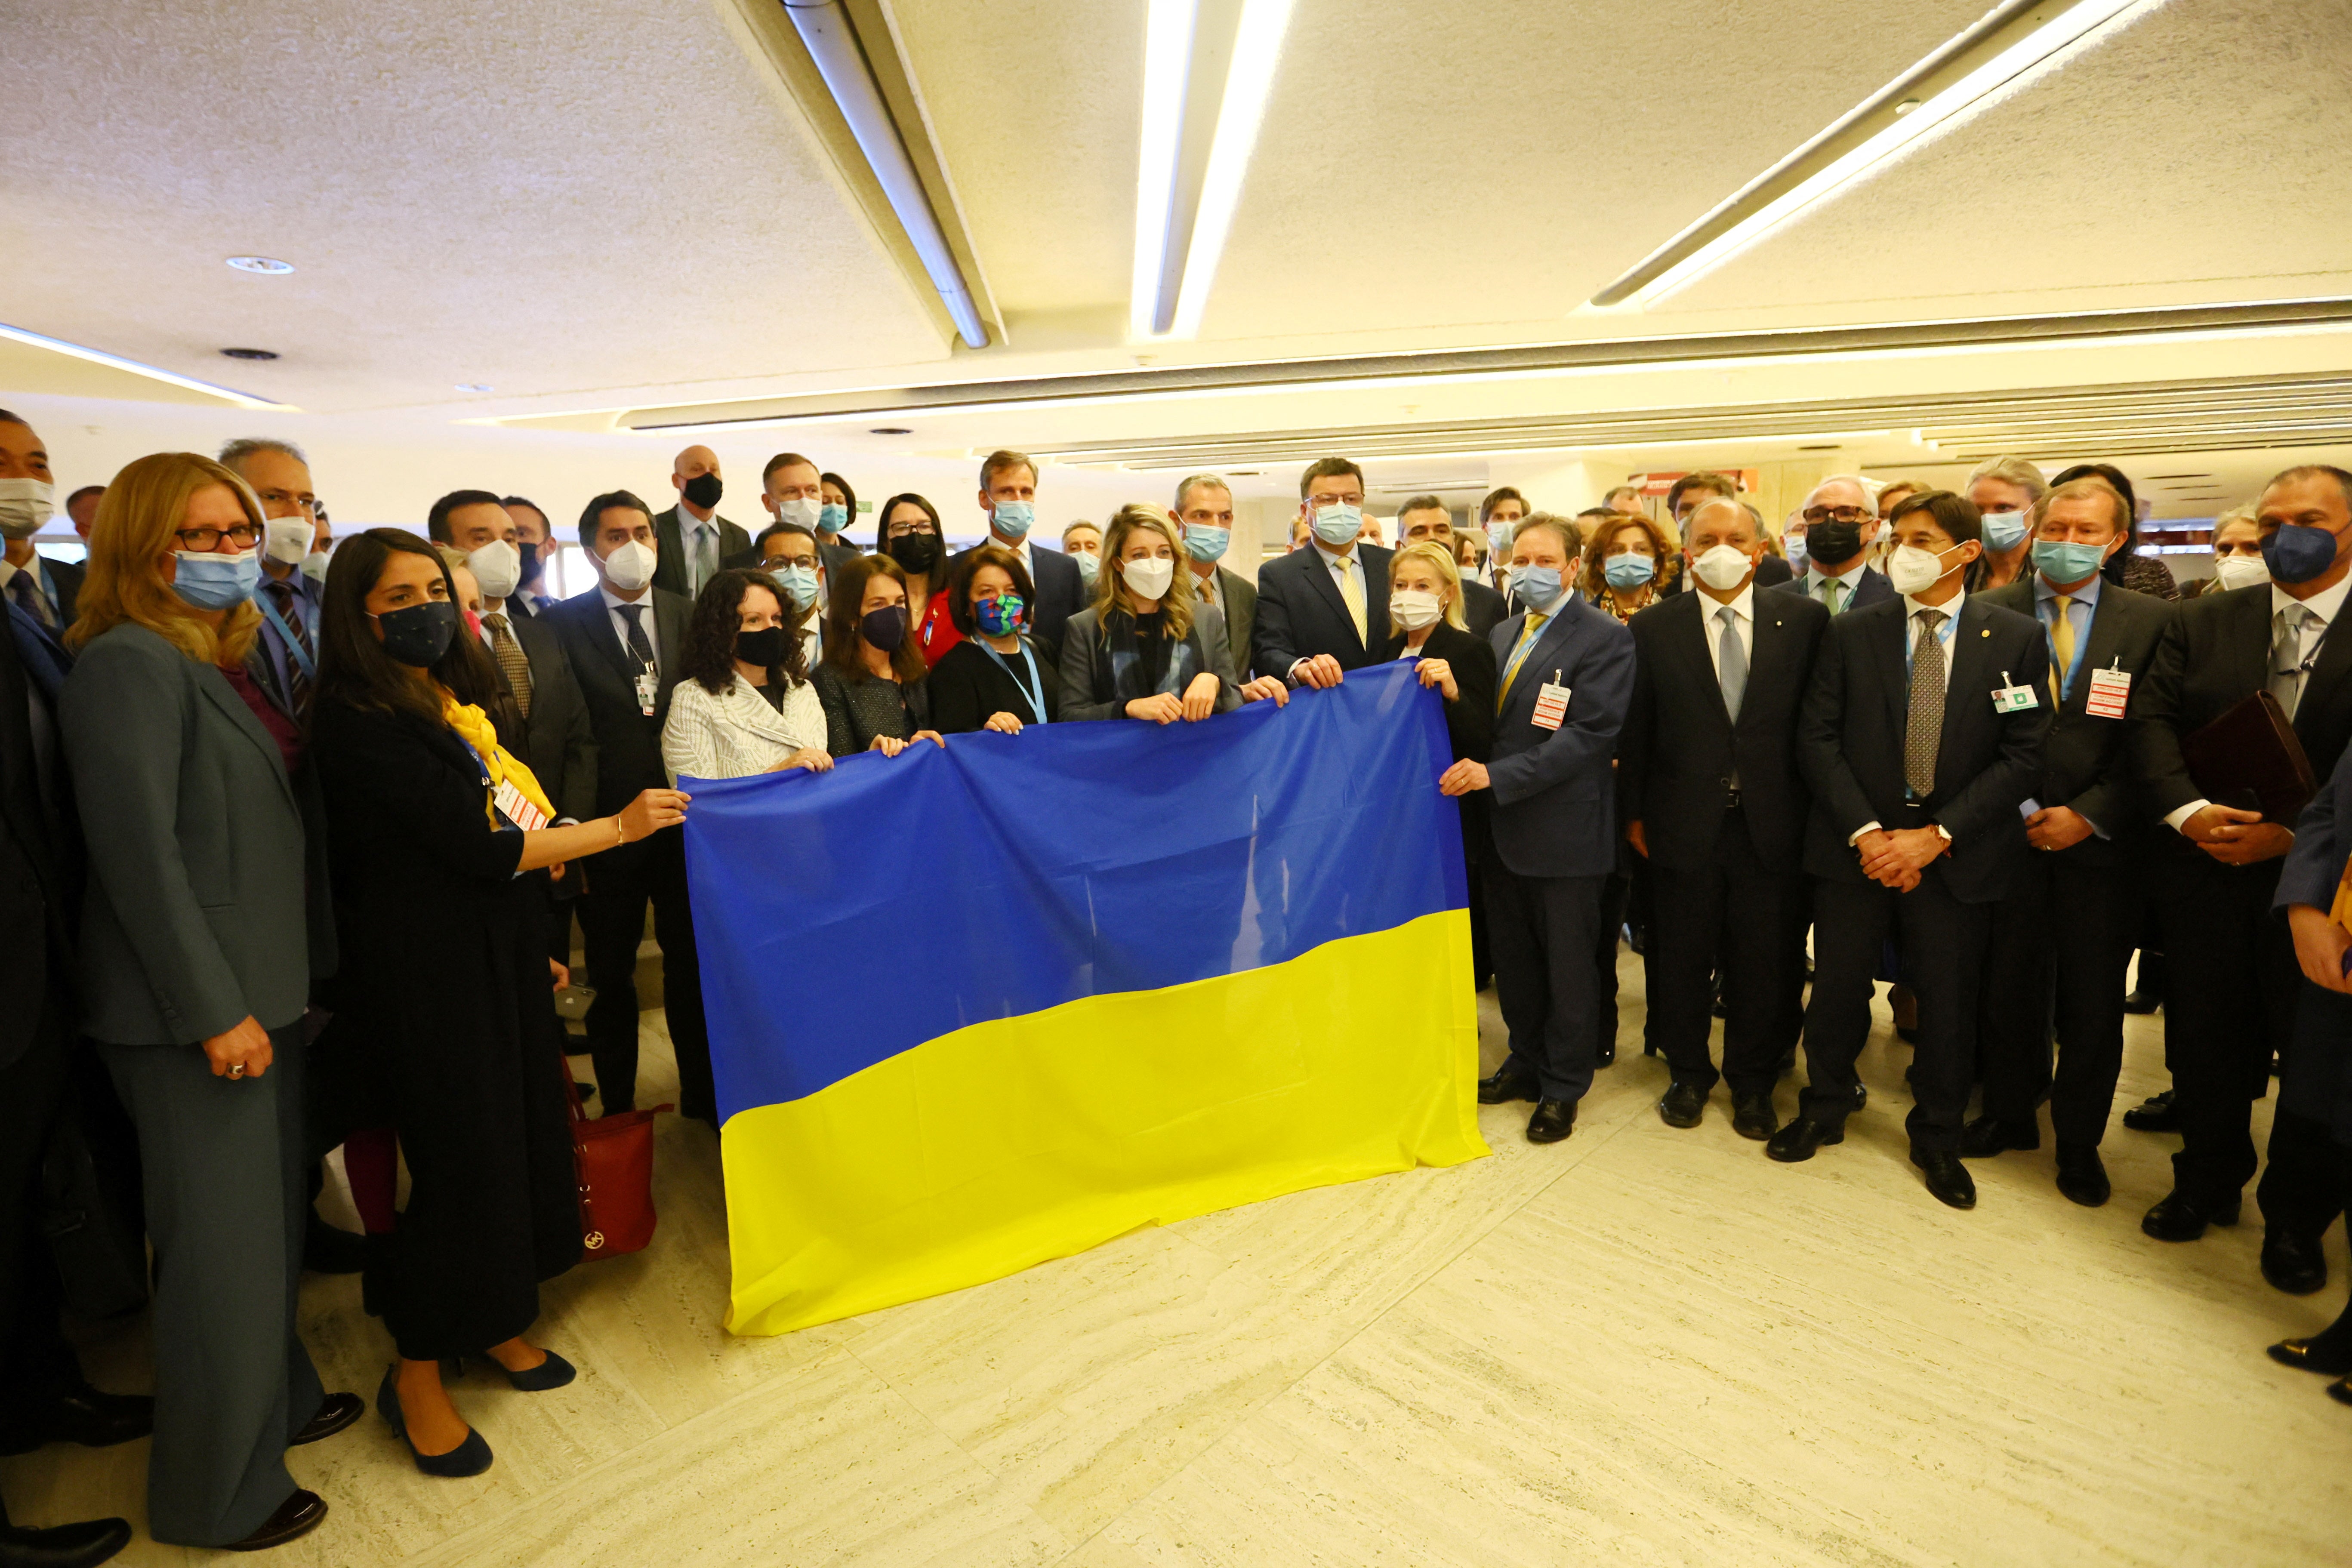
x=2232, y=986
x=1543, y=929
x=611, y=924
x=37, y=1366
x=1737, y=918
x=1942, y=942
x=2303, y=1188
x=2062, y=942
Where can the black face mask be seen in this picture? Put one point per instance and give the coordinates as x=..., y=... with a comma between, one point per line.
x=418, y=636
x=764, y=648
x=1832, y=542
x=886, y=629
x=704, y=490
x=916, y=552
x=530, y=553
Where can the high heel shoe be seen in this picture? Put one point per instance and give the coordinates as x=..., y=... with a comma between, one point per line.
x=471, y=1457
x=2297, y=1353
x=552, y=1373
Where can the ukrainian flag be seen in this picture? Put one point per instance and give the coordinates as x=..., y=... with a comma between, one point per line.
x=977, y=1007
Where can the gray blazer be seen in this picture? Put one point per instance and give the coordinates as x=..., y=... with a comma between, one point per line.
x=194, y=917
x=1080, y=636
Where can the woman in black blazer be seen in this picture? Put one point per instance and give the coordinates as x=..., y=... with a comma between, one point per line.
x=440, y=833
x=995, y=678
x=1426, y=604
x=1146, y=648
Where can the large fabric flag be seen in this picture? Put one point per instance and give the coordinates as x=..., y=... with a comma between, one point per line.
x=976, y=1007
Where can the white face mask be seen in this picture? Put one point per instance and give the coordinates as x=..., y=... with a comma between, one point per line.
x=498, y=567
x=1722, y=568
x=286, y=539
x=314, y=567
x=631, y=567
x=2240, y=570
x=1150, y=577
x=1911, y=569
x=24, y=506
x=1413, y=608
x=800, y=510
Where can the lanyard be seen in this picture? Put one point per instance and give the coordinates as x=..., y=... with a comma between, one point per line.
x=2082, y=644
x=294, y=648
x=1034, y=689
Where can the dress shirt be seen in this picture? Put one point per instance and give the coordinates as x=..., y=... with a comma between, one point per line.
x=1208, y=589
x=1342, y=568
x=1850, y=577
x=813, y=640
x=691, y=529
x=1028, y=560
x=2078, y=615
x=613, y=602
x=38, y=572
x=2325, y=604
x=1743, y=612
x=1950, y=610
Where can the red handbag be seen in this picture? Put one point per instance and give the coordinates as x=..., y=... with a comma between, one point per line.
x=614, y=1156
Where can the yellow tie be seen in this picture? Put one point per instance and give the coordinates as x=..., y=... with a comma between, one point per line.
x=1518, y=653
x=1354, y=592
x=2062, y=646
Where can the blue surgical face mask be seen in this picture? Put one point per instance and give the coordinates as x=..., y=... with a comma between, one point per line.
x=799, y=583
x=2064, y=561
x=2002, y=530
x=2297, y=553
x=831, y=517
x=1089, y=566
x=1794, y=544
x=1206, y=542
x=1536, y=585
x=1014, y=518
x=210, y=580
x=1629, y=571
x=1336, y=524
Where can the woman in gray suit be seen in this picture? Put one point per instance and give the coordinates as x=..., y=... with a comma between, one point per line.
x=195, y=969
x=1146, y=648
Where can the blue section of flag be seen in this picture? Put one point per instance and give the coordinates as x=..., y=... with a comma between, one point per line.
x=845, y=917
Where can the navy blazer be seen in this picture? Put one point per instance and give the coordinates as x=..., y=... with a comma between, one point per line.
x=1875, y=590
x=1555, y=810
x=2315, y=1076
x=1300, y=612
x=627, y=744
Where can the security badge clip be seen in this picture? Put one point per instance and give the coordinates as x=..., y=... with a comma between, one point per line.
x=2110, y=692
x=648, y=691
x=1551, y=703
x=2013, y=699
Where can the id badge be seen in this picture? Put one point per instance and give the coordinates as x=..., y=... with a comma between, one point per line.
x=515, y=807
x=648, y=691
x=2110, y=693
x=2013, y=699
x=1551, y=703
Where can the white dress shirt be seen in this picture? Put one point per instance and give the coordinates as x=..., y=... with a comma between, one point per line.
x=1950, y=610
x=2326, y=605
x=1743, y=610
x=1208, y=589
x=613, y=602
x=1028, y=558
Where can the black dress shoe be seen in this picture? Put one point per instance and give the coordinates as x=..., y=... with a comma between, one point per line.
x=1752, y=1116
x=2340, y=1391
x=1987, y=1136
x=1798, y=1140
x=1508, y=1084
x=1553, y=1120
x=1861, y=1094
x=83, y=1545
x=337, y=1412
x=1605, y=1055
x=2154, y=1114
x=2297, y=1353
x=328, y=1249
x=2083, y=1175
x=1684, y=1105
x=2142, y=1001
x=83, y=1415
x=2179, y=1217
x=297, y=1515
x=1947, y=1178
x=2293, y=1264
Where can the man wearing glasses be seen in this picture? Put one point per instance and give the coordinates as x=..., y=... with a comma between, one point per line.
x=288, y=600
x=1840, y=526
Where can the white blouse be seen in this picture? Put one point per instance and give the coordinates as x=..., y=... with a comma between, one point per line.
x=736, y=733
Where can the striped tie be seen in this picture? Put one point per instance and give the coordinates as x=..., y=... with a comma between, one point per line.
x=298, y=685
x=511, y=659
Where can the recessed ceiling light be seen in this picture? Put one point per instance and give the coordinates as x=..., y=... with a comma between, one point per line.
x=473, y=386
x=1825, y=446
x=250, y=354
x=891, y=430
x=1906, y=106
x=268, y=266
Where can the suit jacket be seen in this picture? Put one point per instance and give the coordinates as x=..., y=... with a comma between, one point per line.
x=196, y=913
x=2086, y=763
x=1300, y=612
x=1553, y=808
x=2216, y=653
x=35, y=890
x=1469, y=717
x=1681, y=749
x=669, y=570
x=1850, y=743
x=1874, y=588
x=1061, y=593
x=831, y=557
x=1082, y=698
x=1772, y=571
x=628, y=742
x=1241, y=614
x=66, y=577
x=1482, y=609
x=559, y=741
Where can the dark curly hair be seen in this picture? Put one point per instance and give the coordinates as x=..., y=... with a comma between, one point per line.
x=967, y=565
x=718, y=614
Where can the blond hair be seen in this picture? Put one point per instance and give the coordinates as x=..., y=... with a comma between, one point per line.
x=1178, y=602
x=138, y=522
x=1448, y=572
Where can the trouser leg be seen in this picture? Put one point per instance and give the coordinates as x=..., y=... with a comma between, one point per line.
x=2097, y=916
x=1943, y=952
x=690, y=1034
x=1615, y=897
x=613, y=926
x=1686, y=912
x=1573, y=917
x=36, y=1366
x=1850, y=923
x=2014, y=1010
x=1761, y=956
x=2218, y=1023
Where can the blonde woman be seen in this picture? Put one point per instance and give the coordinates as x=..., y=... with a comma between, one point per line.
x=1425, y=606
x=1146, y=648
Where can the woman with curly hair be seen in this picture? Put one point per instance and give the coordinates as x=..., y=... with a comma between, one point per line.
x=1627, y=565
x=743, y=703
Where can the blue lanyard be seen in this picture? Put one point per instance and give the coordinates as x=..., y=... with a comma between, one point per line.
x=1034, y=690
x=294, y=648
x=2082, y=644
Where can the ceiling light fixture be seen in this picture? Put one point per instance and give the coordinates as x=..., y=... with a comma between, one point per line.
x=152, y=373
x=474, y=386
x=2004, y=51
x=251, y=354
x=267, y=265
x=891, y=430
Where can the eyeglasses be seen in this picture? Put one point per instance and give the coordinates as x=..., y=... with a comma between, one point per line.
x=202, y=540
x=1837, y=514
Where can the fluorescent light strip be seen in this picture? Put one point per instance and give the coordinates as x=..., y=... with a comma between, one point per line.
x=152, y=373
x=1257, y=50
x=2014, y=69
x=1167, y=62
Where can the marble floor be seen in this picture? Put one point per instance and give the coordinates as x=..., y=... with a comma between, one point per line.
x=1642, y=1346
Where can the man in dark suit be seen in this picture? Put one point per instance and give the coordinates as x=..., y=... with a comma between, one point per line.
x=280, y=477
x=693, y=539
x=1567, y=678
x=1322, y=609
x=44, y=589
x=794, y=492
x=792, y=556
x=1205, y=510
x=1427, y=518
x=625, y=640
x=535, y=540
x=2072, y=917
x=1840, y=528
x=1920, y=738
x=1008, y=494
x=2230, y=994
x=1712, y=795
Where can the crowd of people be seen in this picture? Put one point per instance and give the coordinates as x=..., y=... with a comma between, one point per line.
x=298, y=833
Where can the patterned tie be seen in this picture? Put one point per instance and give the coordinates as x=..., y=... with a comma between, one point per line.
x=2286, y=655
x=1354, y=592
x=2062, y=647
x=1731, y=661
x=1519, y=651
x=27, y=593
x=298, y=685
x=640, y=649
x=1926, y=729
x=508, y=653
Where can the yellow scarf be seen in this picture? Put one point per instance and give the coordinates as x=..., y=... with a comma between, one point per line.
x=473, y=726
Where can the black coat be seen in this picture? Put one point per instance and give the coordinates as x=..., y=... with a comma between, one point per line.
x=449, y=1013
x=558, y=741
x=2086, y=763
x=66, y=577
x=968, y=688
x=35, y=891
x=1300, y=612
x=1850, y=743
x=1469, y=718
x=1481, y=608
x=1680, y=750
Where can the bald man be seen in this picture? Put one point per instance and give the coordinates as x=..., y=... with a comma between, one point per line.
x=694, y=540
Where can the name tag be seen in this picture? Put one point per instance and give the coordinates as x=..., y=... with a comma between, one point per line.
x=2110, y=693
x=1551, y=704
x=2013, y=699
x=516, y=808
x=648, y=691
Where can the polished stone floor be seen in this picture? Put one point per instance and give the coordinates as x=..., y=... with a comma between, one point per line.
x=1640, y=1346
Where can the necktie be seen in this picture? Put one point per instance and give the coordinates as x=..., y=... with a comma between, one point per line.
x=1354, y=592
x=640, y=649
x=1518, y=653
x=1926, y=728
x=26, y=592
x=1831, y=592
x=509, y=655
x=298, y=685
x=2062, y=647
x=705, y=566
x=2287, y=657
x=1731, y=661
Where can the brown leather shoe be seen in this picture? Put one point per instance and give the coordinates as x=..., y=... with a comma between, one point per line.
x=297, y=1515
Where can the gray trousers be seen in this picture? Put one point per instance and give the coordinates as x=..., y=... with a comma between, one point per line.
x=226, y=1195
